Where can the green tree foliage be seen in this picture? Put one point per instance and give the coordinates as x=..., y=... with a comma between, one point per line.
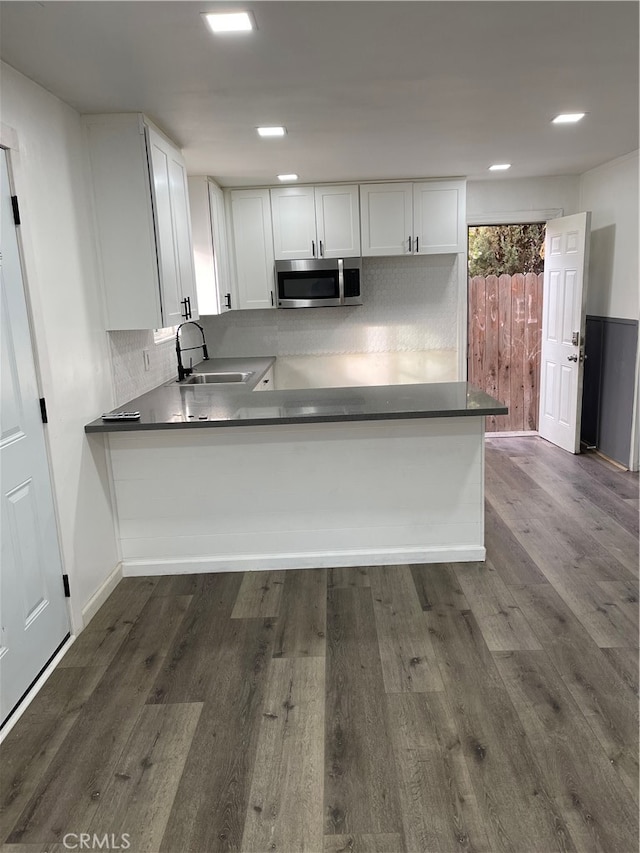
x=506, y=249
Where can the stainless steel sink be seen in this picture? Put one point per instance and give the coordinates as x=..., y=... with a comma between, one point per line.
x=221, y=378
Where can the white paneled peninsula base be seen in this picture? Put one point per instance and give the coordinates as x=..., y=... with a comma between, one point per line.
x=300, y=495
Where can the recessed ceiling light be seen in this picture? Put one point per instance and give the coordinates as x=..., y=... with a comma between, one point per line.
x=271, y=131
x=287, y=177
x=499, y=167
x=568, y=118
x=229, y=22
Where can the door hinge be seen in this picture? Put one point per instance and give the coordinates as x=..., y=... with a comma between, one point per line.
x=67, y=588
x=43, y=411
x=16, y=209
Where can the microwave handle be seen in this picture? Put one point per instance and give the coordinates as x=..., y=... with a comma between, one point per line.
x=341, y=280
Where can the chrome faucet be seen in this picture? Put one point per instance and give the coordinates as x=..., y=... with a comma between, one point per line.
x=183, y=372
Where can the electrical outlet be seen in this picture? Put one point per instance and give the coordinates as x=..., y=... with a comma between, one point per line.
x=146, y=358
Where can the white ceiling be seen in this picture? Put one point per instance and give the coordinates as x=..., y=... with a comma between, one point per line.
x=367, y=90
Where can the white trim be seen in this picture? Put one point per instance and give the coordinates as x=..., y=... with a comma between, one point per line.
x=310, y=560
x=602, y=167
x=527, y=433
x=37, y=687
x=513, y=217
x=463, y=314
x=100, y=596
x=634, y=449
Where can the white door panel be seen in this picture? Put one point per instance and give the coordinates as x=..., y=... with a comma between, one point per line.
x=33, y=612
x=563, y=327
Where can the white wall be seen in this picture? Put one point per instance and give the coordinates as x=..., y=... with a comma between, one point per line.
x=501, y=196
x=610, y=192
x=72, y=351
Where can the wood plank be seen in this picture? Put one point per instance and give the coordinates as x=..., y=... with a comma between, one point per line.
x=532, y=343
x=508, y=784
x=285, y=803
x=604, y=620
x=30, y=747
x=406, y=653
x=610, y=708
x=389, y=843
x=302, y=625
x=503, y=422
x=624, y=594
x=492, y=331
x=586, y=518
x=516, y=397
x=437, y=587
x=210, y=806
x=259, y=595
x=501, y=621
x=625, y=662
x=344, y=577
x=69, y=791
x=477, y=320
x=599, y=811
x=193, y=584
x=437, y=801
x=139, y=797
x=360, y=787
x=187, y=674
x=509, y=558
x=124, y=605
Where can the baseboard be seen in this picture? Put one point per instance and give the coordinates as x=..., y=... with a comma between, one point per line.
x=98, y=598
x=324, y=560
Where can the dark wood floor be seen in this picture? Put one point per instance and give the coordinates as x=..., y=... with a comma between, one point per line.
x=467, y=707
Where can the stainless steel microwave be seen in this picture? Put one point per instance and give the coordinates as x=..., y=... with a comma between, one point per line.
x=318, y=282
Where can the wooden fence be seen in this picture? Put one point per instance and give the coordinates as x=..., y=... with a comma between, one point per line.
x=505, y=333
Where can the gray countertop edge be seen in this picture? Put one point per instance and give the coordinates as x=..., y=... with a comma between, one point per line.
x=136, y=426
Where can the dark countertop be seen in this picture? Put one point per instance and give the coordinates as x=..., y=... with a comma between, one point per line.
x=171, y=406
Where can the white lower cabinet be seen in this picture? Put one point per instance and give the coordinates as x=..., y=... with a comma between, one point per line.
x=413, y=218
x=252, y=253
x=141, y=205
x=210, y=251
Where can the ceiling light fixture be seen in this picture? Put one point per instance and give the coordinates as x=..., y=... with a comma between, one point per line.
x=271, y=131
x=229, y=22
x=499, y=167
x=287, y=177
x=568, y=118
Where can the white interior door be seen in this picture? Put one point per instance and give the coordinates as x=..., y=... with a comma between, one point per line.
x=566, y=260
x=33, y=611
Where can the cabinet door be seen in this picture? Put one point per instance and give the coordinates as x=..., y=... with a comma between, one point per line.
x=338, y=221
x=170, y=292
x=253, y=247
x=387, y=219
x=294, y=223
x=439, y=217
x=181, y=219
x=225, y=297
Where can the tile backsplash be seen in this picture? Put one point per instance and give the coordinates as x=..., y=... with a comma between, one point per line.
x=409, y=304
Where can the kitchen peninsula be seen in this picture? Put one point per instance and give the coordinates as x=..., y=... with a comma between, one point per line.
x=223, y=478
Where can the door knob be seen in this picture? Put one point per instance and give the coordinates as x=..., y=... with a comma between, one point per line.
x=572, y=358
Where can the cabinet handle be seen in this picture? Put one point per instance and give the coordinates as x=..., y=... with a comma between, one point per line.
x=313, y=248
x=189, y=308
x=321, y=250
x=185, y=314
x=417, y=245
x=227, y=300
x=272, y=298
x=409, y=243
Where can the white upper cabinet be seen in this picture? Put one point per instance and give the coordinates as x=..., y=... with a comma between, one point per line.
x=144, y=230
x=315, y=222
x=387, y=219
x=210, y=252
x=338, y=221
x=252, y=253
x=413, y=218
x=439, y=217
